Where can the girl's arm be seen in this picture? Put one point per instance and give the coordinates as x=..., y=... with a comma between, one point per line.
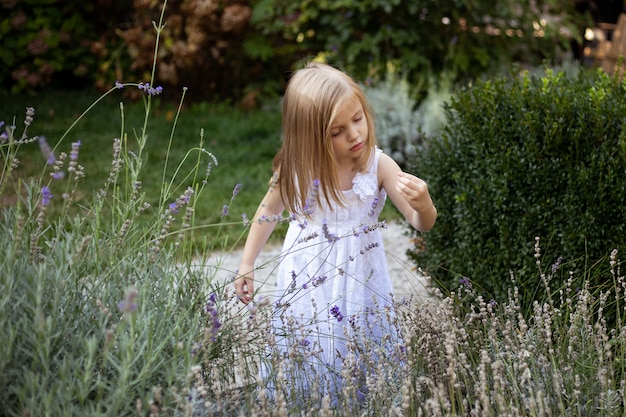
x=261, y=228
x=409, y=194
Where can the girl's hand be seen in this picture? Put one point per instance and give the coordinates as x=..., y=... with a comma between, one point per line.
x=415, y=191
x=244, y=287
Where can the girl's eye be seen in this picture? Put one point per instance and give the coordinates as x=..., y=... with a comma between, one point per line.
x=335, y=133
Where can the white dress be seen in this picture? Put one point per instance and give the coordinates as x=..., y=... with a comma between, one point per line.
x=333, y=286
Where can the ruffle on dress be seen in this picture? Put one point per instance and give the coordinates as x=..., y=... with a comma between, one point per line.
x=365, y=185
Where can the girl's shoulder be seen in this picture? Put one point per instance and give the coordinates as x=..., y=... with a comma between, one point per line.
x=387, y=169
x=372, y=164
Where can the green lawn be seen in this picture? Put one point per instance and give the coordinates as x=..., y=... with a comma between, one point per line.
x=243, y=142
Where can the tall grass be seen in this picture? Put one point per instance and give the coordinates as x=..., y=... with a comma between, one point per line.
x=243, y=141
x=103, y=311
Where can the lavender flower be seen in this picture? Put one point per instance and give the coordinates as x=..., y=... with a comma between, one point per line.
x=58, y=175
x=336, y=313
x=332, y=238
x=244, y=218
x=465, y=281
x=128, y=305
x=46, y=195
x=74, y=152
x=4, y=135
x=73, y=166
x=211, y=309
x=225, y=211
x=119, y=85
x=236, y=191
x=309, y=205
x=557, y=264
x=30, y=112
x=372, y=211
x=46, y=150
x=152, y=91
x=196, y=349
x=319, y=280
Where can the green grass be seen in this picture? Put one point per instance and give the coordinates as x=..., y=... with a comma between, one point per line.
x=243, y=142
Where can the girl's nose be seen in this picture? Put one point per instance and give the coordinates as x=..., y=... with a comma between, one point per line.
x=353, y=133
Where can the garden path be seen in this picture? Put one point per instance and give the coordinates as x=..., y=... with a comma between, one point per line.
x=407, y=281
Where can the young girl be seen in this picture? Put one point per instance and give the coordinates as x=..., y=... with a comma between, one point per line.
x=334, y=181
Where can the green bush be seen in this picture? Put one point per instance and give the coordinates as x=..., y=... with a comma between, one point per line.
x=526, y=157
x=420, y=36
x=54, y=42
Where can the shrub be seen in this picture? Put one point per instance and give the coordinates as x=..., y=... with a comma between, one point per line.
x=200, y=46
x=52, y=42
x=526, y=157
x=464, y=37
x=402, y=123
x=98, y=315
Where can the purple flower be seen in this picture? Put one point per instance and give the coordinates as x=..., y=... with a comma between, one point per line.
x=373, y=208
x=128, y=305
x=58, y=175
x=173, y=208
x=211, y=309
x=332, y=238
x=119, y=85
x=336, y=313
x=46, y=150
x=196, y=349
x=152, y=91
x=46, y=195
x=4, y=135
x=225, y=211
x=466, y=282
x=319, y=280
x=557, y=264
x=305, y=343
x=236, y=191
x=309, y=205
x=74, y=151
x=244, y=218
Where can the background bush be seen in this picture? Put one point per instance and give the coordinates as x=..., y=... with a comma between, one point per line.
x=244, y=50
x=54, y=42
x=465, y=38
x=524, y=157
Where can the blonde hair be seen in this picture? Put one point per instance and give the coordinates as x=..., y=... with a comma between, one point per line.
x=306, y=163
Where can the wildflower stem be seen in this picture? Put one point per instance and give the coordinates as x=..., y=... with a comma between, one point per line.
x=166, y=192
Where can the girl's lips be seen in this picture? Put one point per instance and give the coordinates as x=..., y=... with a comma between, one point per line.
x=357, y=147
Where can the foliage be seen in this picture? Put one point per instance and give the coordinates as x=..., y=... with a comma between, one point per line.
x=402, y=124
x=200, y=47
x=465, y=38
x=99, y=317
x=522, y=158
x=476, y=357
x=50, y=41
x=245, y=139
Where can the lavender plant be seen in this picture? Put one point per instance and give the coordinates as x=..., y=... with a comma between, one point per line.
x=402, y=121
x=99, y=316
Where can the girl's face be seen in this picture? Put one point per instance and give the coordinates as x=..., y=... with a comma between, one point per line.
x=349, y=131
